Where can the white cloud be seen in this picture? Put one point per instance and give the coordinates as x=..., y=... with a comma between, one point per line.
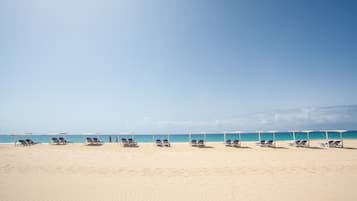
x=334, y=117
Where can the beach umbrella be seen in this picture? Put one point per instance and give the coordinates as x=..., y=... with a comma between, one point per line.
x=189, y=136
x=204, y=136
x=239, y=136
x=224, y=136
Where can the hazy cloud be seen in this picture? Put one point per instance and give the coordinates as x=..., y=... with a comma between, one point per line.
x=334, y=117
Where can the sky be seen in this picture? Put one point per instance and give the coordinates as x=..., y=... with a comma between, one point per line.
x=175, y=66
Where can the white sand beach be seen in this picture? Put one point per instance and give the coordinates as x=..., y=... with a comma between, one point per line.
x=111, y=172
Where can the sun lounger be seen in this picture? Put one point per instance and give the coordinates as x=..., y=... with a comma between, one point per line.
x=302, y=143
x=339, y=144
x=62, y=140
x=124, y=142
x=236, y=143
x=261, y=143
x=332, y=144
x=158, y=143
x=30, y=142
x=22, y=142
x=270, y=143
x=166, y=143
x=336, y=144
x=228, y=143
x=89, y=141
x=194, y=143
x=55, y=141
x=201, y=143
x=296, y=142
x=97, y=141
x=132, y=142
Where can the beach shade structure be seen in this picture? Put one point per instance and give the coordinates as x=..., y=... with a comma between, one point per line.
x=305, y=143
x=57, y=138
x=197, y=142
x=266, y=143
x=232, y=142
x=333, y=143
x=128, y=142
x=92, y=139
x=27, y=139
x=161, y=140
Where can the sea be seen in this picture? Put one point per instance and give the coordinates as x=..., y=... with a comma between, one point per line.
x=211, y=137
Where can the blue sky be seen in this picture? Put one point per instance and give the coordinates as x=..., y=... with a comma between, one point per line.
x=173, y=66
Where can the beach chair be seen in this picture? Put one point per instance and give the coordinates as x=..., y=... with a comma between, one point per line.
x=132, y=142
x=336, y=144
x=62, y=140
x=22, y=142
x=166, y=143
x=270, y=143
x=55, y=141
x=124, y=142
x=89, y=141
x=302, y=143
x=228, y=143
x=294, y=143
x=158, y=143
x=236, y=143
x=201, y=143
x=97, y=141
x=194, y=143
x=261, y=143
x=30, y=142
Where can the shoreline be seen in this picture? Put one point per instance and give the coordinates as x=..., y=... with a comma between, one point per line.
x=314, y=141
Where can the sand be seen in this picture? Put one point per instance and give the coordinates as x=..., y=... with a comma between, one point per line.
x=111, y=172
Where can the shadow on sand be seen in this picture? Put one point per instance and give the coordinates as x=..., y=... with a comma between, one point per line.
x=205, y=147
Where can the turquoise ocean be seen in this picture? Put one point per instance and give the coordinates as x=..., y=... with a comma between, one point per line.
x=214, y=137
